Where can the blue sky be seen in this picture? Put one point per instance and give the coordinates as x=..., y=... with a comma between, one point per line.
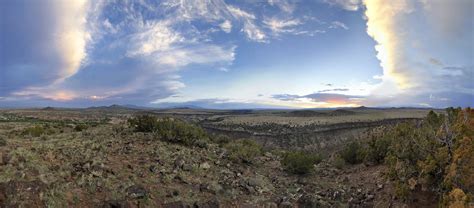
x=237, y=54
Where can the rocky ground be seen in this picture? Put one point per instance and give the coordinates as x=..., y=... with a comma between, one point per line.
x=110, y=165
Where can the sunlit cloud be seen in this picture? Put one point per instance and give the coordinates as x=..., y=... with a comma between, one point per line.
x=58, y=95
x=72, y=35
x=46, y=44
x=406, y=55
x=381, y=25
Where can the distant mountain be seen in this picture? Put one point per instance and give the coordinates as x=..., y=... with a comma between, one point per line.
x=137, y=107
x=212, y=104
x=186, y=107
x=119, y=107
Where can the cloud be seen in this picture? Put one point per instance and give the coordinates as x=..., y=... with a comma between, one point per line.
x=55, y=95
x=450, y=18
x=335, y=90
x=154, y=36
x=124, y=51
x=209, y=11
x=214, y=103
x=39, y=49
x=333, y=98
x=72, y=35
x=435, y=62
x=284, y=5
x=118, y=51
x=323, y=99
x=278, y=26
x=200, y=54
x=382, y=20
x=252, y=31
x=337, y=25
x=138, y=54
x=170, y=50
x=351, y=5
x=286, y=97
x=226, y=26
x=406, y=55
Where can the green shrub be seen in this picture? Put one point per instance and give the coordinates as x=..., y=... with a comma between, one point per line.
x=37, y=130
x=177, y=131
x=338, y=162
x=143, y=123
x=377, y=149
x=170, y=130
x=244, y=150
x=221, y=139
x=81, y=127
x=353, y=153
x=298, y=162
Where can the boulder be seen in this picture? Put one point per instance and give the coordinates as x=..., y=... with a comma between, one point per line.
x=136, y=192
x=205, y=165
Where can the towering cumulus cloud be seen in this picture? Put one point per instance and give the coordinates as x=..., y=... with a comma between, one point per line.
x=71, y=35
x=425, y=50
x=42, y=42
x=382, y=24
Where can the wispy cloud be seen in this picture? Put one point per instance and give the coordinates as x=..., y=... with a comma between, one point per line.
x=278, y=26
x=284, y=5
x=338, y=25
x=250, y=28
x=335, y=90
x=152, y=37
x=351, y=5
x=199, y=54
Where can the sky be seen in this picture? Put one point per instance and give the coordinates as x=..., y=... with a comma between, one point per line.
x=237, y=54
